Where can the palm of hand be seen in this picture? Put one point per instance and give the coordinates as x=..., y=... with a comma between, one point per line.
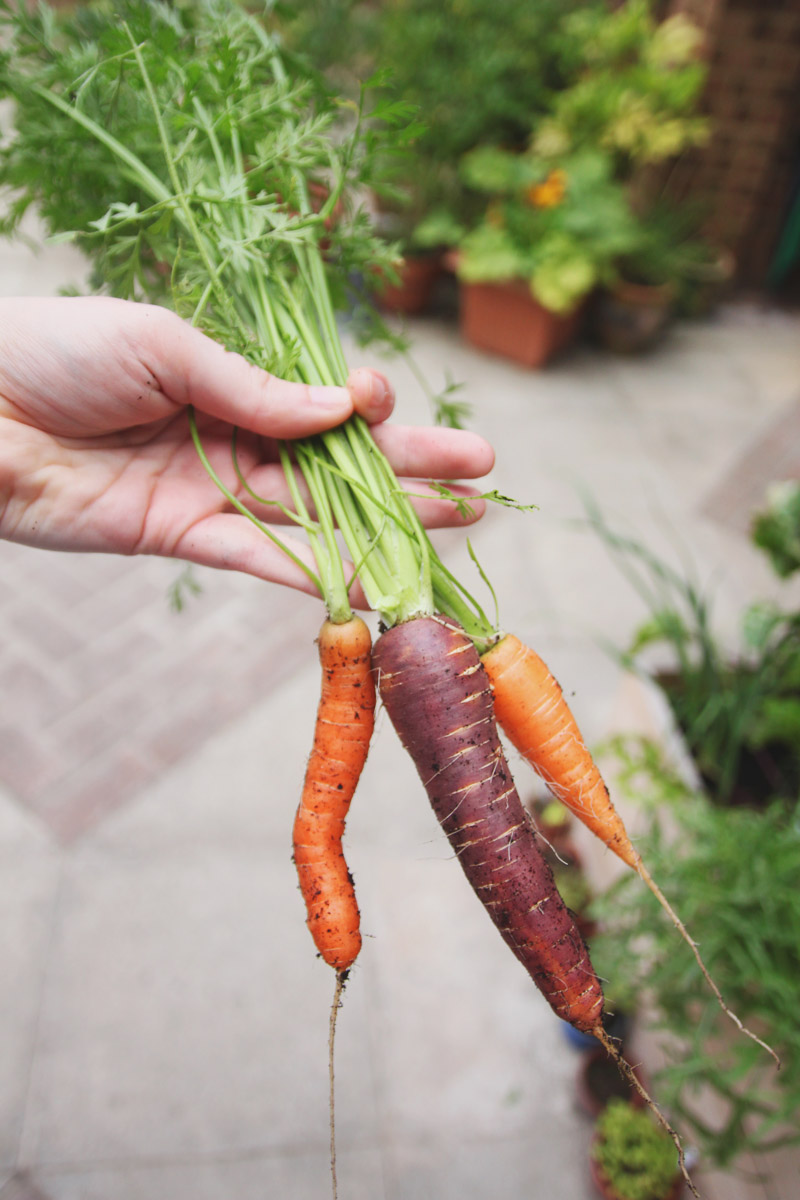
x=104, y=458
x=96, y=450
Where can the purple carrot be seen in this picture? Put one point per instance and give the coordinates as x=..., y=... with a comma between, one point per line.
x=438, y=697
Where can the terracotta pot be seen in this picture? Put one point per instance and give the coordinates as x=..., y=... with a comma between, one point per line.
x=599, y=1080
x=418, y=276
x=504, y=319
x=604, y=1188
x=632, y=317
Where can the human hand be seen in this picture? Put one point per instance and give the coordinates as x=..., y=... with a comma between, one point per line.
x=96, y=452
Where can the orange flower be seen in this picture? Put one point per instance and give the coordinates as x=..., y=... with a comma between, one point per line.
x=550, y=193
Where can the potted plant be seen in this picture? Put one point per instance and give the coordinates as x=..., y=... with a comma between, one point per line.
x=599, y=1081
x=776, y=527
x=549, y=234
x=635, y=89
x=632, y=314
x=636, y=99
x=631, y=1158
x=721, y=833
x=706, y=276
x=409, y=285
x=671, y=269
x=434, y=61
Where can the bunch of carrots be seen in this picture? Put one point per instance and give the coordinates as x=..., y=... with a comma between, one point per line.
x=251, y=262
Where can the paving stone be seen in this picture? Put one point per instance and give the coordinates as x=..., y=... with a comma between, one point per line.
x=186, y=1017
x=549, y=1160
x=33, y=623
x=102, y=693
x=300, y=1175
x=29, y=870
x=25, y=763
x=38, y=694
x=22, y=1187
x=772, y=456
x=87, y=793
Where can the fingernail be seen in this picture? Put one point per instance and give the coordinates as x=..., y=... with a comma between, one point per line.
x=381, y=389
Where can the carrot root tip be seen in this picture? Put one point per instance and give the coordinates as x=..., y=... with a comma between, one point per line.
x=612, y=1049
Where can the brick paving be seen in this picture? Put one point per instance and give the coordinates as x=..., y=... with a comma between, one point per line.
x=21, y=1187
x=775, y=455
x=103, y=685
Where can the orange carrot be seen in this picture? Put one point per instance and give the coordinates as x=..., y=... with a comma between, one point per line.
x=345, y=720
x=531, y=709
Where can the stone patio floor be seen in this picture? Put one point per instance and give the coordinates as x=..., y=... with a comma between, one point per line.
x=164, y=1016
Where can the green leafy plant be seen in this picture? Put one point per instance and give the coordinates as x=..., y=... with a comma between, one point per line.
x=671, y=250
x=635, y=1156
x=567, y=212
x=776, y=527
x=727, y=854
x=636, y=101
x=561, y=229
x=734, y=872
x=573, y=886
x=471, y=80
x=288, y=134
x=738, y=710
x=296, y=144
x=636, y=93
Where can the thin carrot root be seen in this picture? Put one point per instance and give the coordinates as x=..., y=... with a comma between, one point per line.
x=341, y=979
x=627, y=1070
x=648, y=880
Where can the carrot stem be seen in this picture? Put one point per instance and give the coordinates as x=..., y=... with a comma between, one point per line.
x=242, y=508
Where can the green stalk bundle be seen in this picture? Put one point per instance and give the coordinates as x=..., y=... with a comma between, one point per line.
x=208, y=155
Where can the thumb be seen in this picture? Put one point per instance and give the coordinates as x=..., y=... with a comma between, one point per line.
x=194, y=369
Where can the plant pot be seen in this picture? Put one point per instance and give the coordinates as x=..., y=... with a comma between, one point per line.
x=604, y=1188
x=505, y=319
x=412, y=294
x=705, y=284
x=599, y=1080
x=632, y=317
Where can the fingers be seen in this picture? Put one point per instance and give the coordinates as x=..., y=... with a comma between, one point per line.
x=434, y=453
x=193, y=369
x=227, y=541
x=372, y=394
x=269, y=483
